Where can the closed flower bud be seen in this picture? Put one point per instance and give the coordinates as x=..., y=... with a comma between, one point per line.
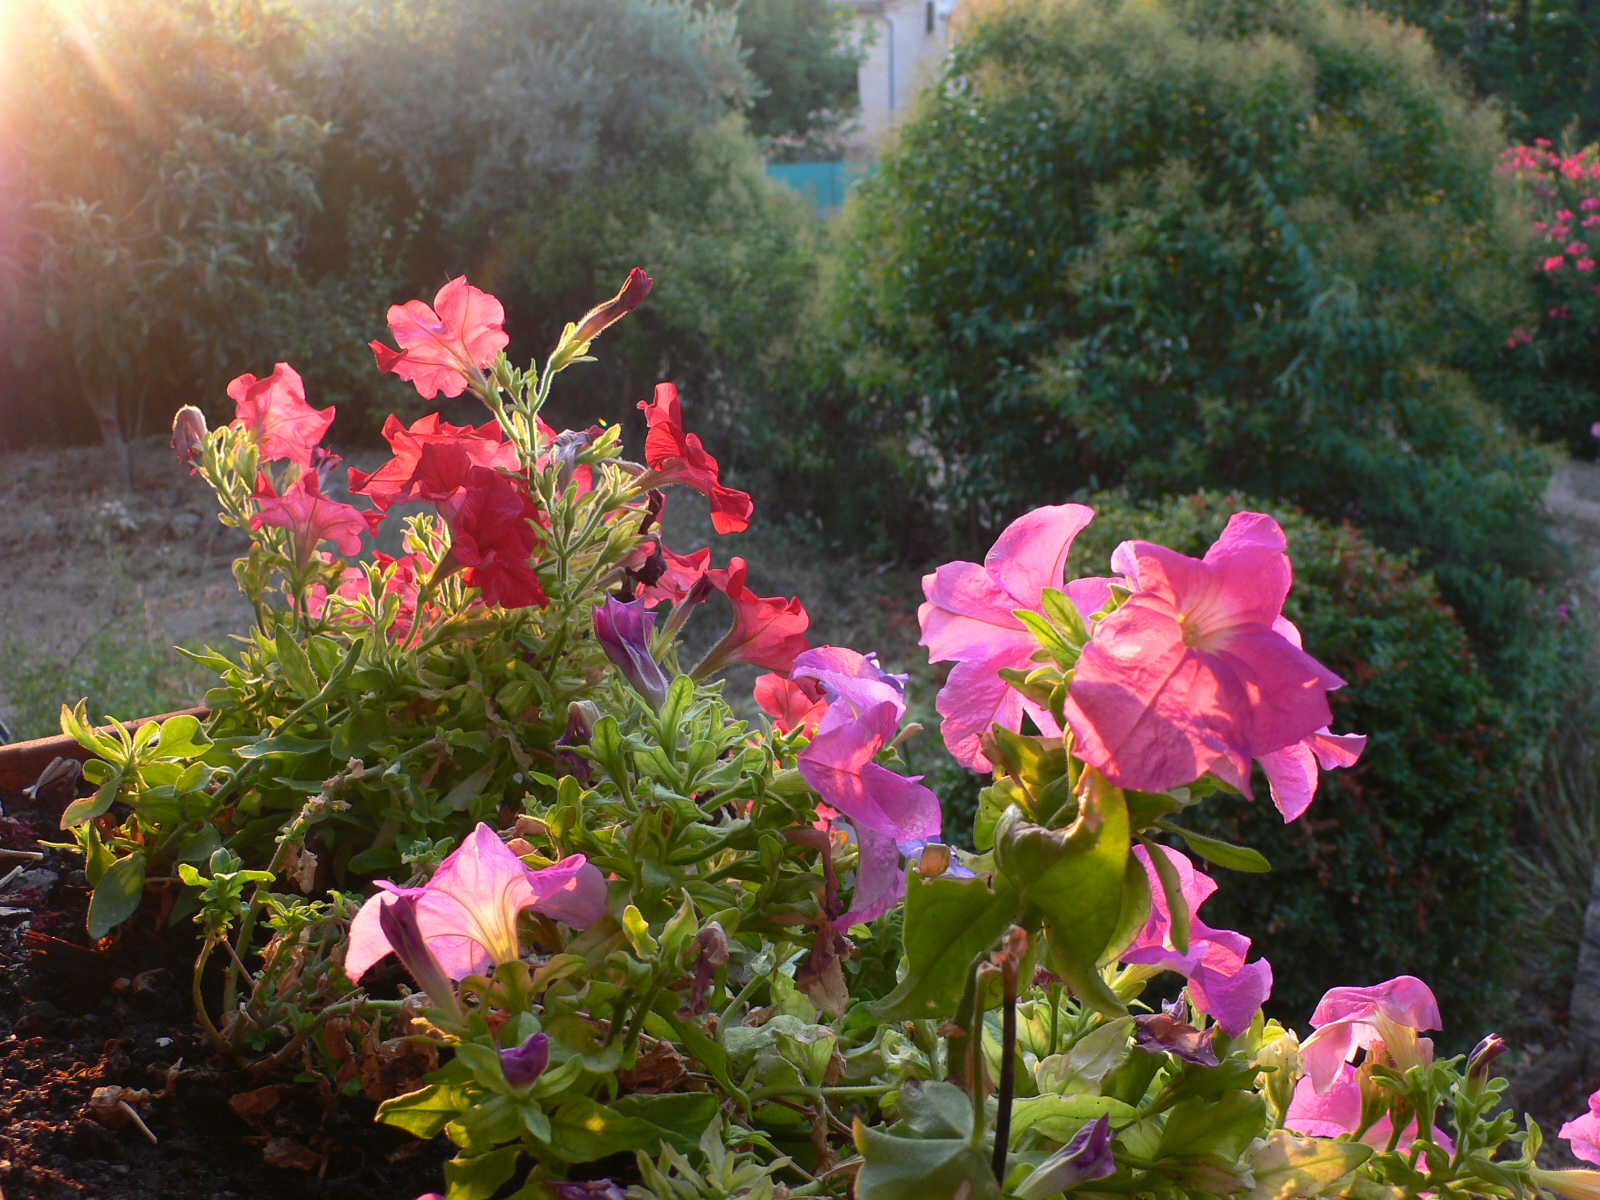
x=189, y=436
x=527, y=1062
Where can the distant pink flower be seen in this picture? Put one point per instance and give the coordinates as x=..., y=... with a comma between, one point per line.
x=1519, y=337
x=1221, y=983
x=969, y=617
x=1583, y=1133
x=1339, y=1112
x=468, y=911
x=1584, y=264
x=1348, y=1019
x=274, y=409
x=1554, y=263
x=1590, y=202
x=444, y=347
x=1589, y=222
x=309, y=516
x=1194, y=673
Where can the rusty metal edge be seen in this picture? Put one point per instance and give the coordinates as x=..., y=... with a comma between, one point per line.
x=21, y=762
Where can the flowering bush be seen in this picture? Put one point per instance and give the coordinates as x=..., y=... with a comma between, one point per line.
x=1552, y=383
x=745, y=955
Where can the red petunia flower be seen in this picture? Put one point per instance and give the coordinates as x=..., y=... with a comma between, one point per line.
x=442, y=348
x=492, y=535
x=791, y=703
x=768, y=631
x=309, y=516
x=678, y=457
x=463, y=447
x=274, y=409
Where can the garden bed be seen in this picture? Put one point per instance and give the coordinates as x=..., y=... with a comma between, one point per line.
x=76, y=1018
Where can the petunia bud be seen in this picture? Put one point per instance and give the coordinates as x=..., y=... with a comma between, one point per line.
x=1573, y=1185
x=1087, y=1156
x=397, y=919
x=1482, y=1056
x=527, y=1062
x=189, y=436
x=601, y=316
x=624, y=632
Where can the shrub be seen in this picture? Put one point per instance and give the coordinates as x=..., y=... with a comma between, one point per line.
x=1402, y=863
x=1549, y=366
x=1194, y=243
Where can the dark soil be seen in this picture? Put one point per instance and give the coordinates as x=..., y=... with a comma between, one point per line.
x=75, y=1018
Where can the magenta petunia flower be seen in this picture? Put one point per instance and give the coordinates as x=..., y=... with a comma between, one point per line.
x=886, y=809
x=853, y=683
x=1583, y=1133
x=468, y=911
x=1348, y=1019
x=1221, y=983
x=970, y=618
x=1338, y=1111
x=1195, y=672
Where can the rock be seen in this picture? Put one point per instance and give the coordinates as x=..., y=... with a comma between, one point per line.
x=37, y=1016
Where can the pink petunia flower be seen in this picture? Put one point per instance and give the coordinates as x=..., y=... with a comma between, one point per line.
x=1195, y=671
x=887, y=810
x=309, y=516
x=1221, y=982
x=969, y=617
x=443, y=348
x=678, y=457
x=1555, y=262
x=1583, y=1133
x=468, y=911
x=1348, y=1019
x=1338, y=1111
x=274, y=409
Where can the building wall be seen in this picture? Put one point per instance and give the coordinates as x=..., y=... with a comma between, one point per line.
x=906, y=42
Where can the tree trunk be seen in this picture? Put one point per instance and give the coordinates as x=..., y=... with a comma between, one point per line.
x=119, y=469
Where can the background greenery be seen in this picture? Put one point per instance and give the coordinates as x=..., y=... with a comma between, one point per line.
x=1123, y=250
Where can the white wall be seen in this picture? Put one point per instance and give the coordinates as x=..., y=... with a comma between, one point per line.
x=902, y=56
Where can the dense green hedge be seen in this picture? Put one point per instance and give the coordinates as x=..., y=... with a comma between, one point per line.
x=1195, y=243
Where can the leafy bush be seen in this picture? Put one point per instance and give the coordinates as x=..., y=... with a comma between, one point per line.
x=1404, y=858
x=1549, y=366
x=1194, y=243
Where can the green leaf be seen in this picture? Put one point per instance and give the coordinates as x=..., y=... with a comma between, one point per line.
x=117, y=896
x=1172, y=887
x=283, y=745
x=1224, y=854
x=1287, y=1167
x=1221, y=1127
x=948, y=923
x=936, y=1110
x=199, y=845
x=470, y=788
x=582, y=1130
x=425, y=1112
x=296, y=665
x=898, y=1168
x=1060, y=1117
x=682, y=1116
x=480, y=1176
x=181, y=738
x=97, y=855
x=93, y=806
x=1064, y=614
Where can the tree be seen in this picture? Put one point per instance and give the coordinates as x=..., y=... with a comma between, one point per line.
x=165, y=172
x=804, y=57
